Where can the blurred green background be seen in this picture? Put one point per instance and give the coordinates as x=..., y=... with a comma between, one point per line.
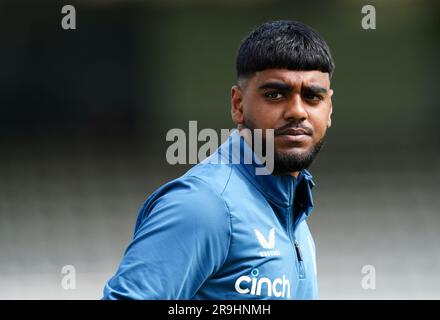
x=84, y=114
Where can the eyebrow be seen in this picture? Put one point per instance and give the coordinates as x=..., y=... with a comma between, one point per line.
x=276, y=85
x=281, y=86
x=315, y=89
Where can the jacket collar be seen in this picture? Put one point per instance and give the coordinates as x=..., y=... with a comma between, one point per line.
x=284, y=190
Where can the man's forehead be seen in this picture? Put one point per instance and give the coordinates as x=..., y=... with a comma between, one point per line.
x=292, y=77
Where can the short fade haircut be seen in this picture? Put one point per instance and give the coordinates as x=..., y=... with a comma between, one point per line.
x=283, y=44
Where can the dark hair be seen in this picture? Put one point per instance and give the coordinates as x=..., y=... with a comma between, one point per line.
x=283, y=45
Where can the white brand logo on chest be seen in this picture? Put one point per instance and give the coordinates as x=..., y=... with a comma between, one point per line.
x=267, y=244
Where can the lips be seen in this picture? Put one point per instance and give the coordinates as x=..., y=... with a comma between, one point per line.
x=294, y=136
x=295, y=132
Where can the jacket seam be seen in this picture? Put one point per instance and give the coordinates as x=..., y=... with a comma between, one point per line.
x=220, y=195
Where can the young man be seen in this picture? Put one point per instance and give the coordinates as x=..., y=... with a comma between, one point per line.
x=221, y=231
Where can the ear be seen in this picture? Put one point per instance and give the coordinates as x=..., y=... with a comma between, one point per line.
x=237, y=105
x=329, y=120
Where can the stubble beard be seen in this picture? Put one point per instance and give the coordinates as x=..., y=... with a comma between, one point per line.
x=289, y=162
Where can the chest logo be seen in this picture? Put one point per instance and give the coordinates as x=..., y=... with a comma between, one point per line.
x=267, y=244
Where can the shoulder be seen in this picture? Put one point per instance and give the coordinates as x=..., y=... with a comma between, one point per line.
x=216, y=176
x=189, y=200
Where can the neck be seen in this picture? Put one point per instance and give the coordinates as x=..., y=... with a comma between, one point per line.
x=294, y=174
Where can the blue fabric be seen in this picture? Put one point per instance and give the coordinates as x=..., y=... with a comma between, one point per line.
x=222, y=232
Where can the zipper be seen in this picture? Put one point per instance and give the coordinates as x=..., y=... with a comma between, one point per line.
x=299, y=258
x=301, y=268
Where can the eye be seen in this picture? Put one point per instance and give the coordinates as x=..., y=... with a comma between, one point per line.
x=312, y=97
x=274, y=95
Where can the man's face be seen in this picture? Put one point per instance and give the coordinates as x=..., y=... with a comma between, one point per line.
x=296, y=104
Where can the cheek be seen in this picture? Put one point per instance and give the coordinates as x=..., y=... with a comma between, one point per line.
x=265, y=117
x=319, y=120
x=260, y=114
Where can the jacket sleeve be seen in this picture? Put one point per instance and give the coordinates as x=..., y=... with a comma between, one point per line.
x=181, y=238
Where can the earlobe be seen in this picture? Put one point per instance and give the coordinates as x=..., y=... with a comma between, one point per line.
x=331, y=92
x=329, y=120
x=237, y=105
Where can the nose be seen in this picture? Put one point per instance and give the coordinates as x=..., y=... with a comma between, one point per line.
x=295, y=109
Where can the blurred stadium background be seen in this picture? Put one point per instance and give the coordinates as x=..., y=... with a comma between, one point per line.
x=84, y=113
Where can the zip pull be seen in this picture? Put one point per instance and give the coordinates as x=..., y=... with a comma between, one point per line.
x=298, y=251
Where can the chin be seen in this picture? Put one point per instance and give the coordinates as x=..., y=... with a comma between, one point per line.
x=294, y=152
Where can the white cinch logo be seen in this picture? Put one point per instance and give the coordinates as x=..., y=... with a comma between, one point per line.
x=280, y=287
x=267, y=244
